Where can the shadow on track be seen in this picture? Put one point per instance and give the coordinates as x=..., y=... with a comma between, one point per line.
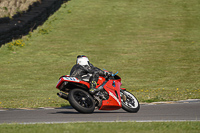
x=99, y=112
x=73, y=111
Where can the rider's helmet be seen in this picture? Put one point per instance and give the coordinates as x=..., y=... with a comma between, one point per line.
x=82, y=60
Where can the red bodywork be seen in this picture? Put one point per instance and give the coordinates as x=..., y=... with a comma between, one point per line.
x=112, y=87
x=114, y=101
x=70, y=79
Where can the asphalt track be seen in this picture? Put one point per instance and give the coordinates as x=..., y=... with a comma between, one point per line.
x=176, y=111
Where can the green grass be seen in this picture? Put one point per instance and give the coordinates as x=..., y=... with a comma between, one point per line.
x=154, y=45
x=125, y=127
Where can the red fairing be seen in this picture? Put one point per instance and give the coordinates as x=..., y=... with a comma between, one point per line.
x=85, y=83
x=123, y=89
x=100, y=81
x=114, y=101
x=70, y=79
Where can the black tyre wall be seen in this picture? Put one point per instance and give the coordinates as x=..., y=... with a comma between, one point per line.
x=77, y=106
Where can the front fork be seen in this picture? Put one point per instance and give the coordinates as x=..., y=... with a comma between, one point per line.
x=123, y=97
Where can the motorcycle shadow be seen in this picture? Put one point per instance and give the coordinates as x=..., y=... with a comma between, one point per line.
x=95, y=112
x=71, y=110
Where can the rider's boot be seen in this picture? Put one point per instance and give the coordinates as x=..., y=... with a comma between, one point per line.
x=93, y=85
x=94, y=90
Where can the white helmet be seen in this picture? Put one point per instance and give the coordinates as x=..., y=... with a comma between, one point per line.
x=82, y=60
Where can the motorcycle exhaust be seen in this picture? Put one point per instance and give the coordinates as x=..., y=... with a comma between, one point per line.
x=63, y=95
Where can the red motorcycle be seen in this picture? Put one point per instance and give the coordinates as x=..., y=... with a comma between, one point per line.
x=110, y=97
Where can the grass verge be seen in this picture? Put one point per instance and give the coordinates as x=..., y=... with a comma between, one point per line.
x=115, y=127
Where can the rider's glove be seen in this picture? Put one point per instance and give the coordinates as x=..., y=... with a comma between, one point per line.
x=107, y=73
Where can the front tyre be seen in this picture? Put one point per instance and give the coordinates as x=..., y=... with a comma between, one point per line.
x=129, y=102
x=81, y=101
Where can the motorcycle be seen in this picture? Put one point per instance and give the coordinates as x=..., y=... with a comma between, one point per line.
x=110, y=97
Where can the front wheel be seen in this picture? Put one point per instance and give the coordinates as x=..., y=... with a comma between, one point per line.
x=129, y=102
x=81, y=101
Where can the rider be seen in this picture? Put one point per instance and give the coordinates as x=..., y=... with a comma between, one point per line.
x=85, y=71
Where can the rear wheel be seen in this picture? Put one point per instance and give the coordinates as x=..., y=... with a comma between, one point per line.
x=81, y=100
x=129, y=102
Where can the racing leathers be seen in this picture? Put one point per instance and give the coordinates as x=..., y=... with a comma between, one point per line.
x=87, y=73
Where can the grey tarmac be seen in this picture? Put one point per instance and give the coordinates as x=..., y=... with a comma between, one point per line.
x=188, y=110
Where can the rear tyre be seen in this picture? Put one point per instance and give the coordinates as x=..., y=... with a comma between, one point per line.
x=129, y=102
x=81, y=101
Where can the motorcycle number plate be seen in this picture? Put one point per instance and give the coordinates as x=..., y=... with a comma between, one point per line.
x=71, y=79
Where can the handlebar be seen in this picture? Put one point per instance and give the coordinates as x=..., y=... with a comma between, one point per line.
x=114, y=74
x=110, y=75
